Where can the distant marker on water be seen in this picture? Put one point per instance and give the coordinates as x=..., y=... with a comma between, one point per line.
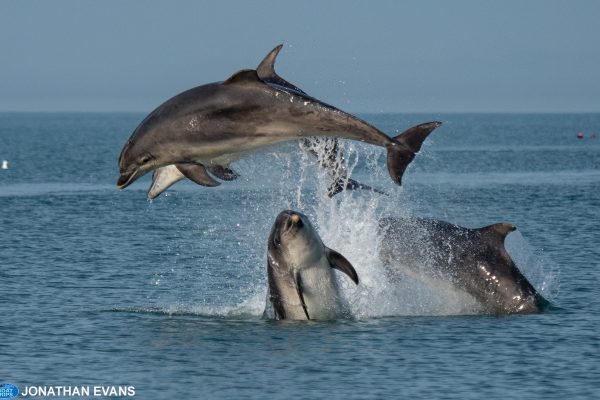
x=4, y=164
x=579, y=135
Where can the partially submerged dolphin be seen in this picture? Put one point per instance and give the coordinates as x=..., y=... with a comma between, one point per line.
x=302, y=284
x=205, y=128
x=473, y=260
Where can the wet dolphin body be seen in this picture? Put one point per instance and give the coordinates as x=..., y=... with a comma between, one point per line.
x=164, y=177
x=333, y=161
x=209, y=126
x=472, y=260
x=302, y=284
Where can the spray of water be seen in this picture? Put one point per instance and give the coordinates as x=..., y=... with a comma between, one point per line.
x=349, y=224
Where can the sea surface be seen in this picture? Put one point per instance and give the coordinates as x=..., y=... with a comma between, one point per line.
x=103, y=287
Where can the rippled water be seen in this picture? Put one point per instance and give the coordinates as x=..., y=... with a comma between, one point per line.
x=104, y=287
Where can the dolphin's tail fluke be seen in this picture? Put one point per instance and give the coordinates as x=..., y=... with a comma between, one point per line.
x=404, y=148
x=414, y=137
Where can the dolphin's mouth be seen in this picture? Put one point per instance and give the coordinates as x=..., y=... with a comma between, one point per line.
x=126, y=179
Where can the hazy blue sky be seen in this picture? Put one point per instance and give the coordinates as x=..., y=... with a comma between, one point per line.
x=366, y=56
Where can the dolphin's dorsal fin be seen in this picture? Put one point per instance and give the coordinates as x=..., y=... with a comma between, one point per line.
x=498, y=231
x=339, y=262
x=243, y=76
x=266, y=68
x=266, y=71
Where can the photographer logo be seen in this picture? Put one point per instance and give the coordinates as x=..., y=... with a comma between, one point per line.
x=8, y=391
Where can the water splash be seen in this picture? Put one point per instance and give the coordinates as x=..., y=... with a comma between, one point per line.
x=350, y=224
x=541, y=272
x=347, y=223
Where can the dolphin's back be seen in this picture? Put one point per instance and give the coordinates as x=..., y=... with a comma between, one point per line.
x=473, y=260
x=267, y=113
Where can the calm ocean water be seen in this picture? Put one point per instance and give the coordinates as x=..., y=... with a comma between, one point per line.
x=101, y=287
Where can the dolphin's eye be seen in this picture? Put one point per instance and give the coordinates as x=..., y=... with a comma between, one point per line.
x=277, y=241
x=145, y=159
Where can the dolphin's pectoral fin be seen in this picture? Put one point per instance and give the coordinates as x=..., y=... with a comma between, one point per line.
x=243, y=76
x=402, y=152
x=165, y=177
x=300, y=294
x=266, y=71
x=339, y=262
x=197, y=173
x=340, y=184
x=497, y=232
x=223, y=172
x=162, y=179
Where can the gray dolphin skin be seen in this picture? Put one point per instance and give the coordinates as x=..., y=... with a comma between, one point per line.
x=472, y=260
x=211, y=125
x=333, y=162
x=302, y=285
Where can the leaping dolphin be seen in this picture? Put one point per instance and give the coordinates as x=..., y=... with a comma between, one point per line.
x=333, y=162
x=207, y=127
x=302, y=284
x=473, y=260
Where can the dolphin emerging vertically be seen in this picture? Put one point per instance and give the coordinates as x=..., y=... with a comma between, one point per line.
x=302, y=284
x=205, y=128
